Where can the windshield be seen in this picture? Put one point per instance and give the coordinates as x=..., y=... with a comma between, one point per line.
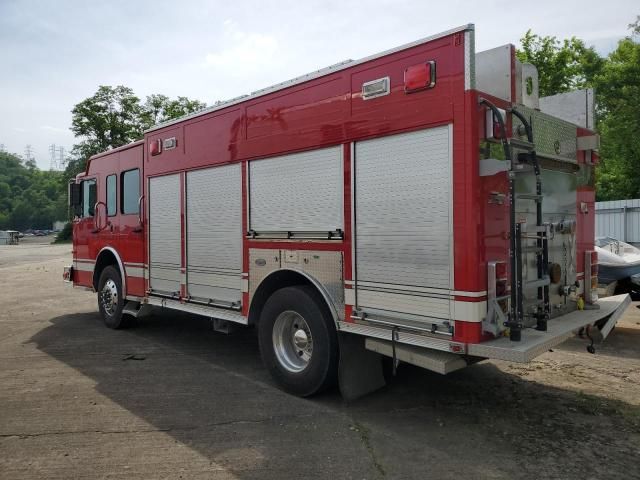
x=604, y=241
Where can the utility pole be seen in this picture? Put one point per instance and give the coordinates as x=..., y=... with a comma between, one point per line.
x=61, y=159
x=28, y=154
x=52, y=157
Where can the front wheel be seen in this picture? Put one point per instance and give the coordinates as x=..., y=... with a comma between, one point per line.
x=110, y=298
x=298, y=341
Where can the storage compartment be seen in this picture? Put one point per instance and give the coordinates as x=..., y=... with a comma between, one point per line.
x=164, y=234
x=403, y=224
x=297, y=193
x=214, y=234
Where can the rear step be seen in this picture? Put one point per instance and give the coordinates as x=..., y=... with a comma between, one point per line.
x=535, y=342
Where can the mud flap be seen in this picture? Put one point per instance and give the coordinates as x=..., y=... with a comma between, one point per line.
x=360, y=370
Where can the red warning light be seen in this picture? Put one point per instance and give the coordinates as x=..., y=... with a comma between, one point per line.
x=155, y=147
x=420, y=77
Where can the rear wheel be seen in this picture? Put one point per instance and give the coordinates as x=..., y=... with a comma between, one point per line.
x=110, y=298
x=298, y=341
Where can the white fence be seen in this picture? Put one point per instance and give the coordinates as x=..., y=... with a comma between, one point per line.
x=619, y=219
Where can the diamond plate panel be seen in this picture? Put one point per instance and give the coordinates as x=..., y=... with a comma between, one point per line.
x=554, y=138
x=261, y=263
x=324, y=267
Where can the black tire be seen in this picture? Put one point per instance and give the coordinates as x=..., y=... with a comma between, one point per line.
x=321, y=370
x=111, y=314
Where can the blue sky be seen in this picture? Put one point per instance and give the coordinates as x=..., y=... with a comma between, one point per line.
x=54, y=54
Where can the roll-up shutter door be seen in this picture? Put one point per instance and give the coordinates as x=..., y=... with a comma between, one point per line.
x=214, y=233
x=403, y=222
x=164, y=234
x=300, y=192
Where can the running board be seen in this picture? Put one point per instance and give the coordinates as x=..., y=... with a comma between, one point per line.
x=535, y=342
x=434, y=360
x=205, y=311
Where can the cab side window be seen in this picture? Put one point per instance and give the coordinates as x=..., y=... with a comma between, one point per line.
x=130, y=188
x=88, y=198
x=111, y=195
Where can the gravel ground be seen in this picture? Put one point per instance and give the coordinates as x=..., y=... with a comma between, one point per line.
x=172, y=399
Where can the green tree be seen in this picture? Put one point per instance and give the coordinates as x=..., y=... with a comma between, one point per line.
x=29, y=197
x=569, y=64
x=618, y=96
x=160, y=108
x=115, y=116
x=109, y=118
x=562, y=65
x=635, y=26
x=154, y=108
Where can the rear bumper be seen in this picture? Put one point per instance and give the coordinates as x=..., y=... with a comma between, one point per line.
x=535, y=343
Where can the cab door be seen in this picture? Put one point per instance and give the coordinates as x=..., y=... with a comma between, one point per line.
x=130, y=227
x=85, y=243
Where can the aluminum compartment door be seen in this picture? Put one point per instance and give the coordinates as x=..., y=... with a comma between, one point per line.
x=300, y=192
x=403, y=224
x=164, y=234
x=214, y=234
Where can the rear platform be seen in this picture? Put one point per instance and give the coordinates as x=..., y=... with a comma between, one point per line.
x=535, y=342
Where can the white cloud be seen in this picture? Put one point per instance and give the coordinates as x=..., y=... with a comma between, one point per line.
x=53, y=57
x=244, y=52
x=49, y=128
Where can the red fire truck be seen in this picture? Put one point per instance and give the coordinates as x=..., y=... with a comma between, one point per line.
x=422, y=204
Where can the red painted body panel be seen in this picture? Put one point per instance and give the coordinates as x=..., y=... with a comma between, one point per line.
x=324, y=111
x=585, y=224
x=330, y=110
x=586, y=194
x=467, y=332
x=122, y=233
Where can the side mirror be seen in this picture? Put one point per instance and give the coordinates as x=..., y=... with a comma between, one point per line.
x=75, y=198
x=100, y=221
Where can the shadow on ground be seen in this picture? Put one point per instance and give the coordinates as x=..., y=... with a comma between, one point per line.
x=210, y=392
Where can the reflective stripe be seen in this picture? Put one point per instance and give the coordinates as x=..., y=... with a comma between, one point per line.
x=349, y=296
x=468, y=311
x=411, y=288
x=470, y=294
x=83, y=267
x=134, y=271
x=134, y=264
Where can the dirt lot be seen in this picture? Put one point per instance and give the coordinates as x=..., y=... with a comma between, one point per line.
x=172, y=399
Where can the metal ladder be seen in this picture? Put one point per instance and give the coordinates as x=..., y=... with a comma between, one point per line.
x=541, y=233
x=515, y=321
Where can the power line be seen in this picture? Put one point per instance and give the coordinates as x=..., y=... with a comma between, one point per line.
x=28, y=154
x=57, y=157
x=62, y=159
x=52, y=157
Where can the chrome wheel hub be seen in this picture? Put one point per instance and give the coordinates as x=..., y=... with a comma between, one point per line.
x=109, y=297
x=292, y=341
